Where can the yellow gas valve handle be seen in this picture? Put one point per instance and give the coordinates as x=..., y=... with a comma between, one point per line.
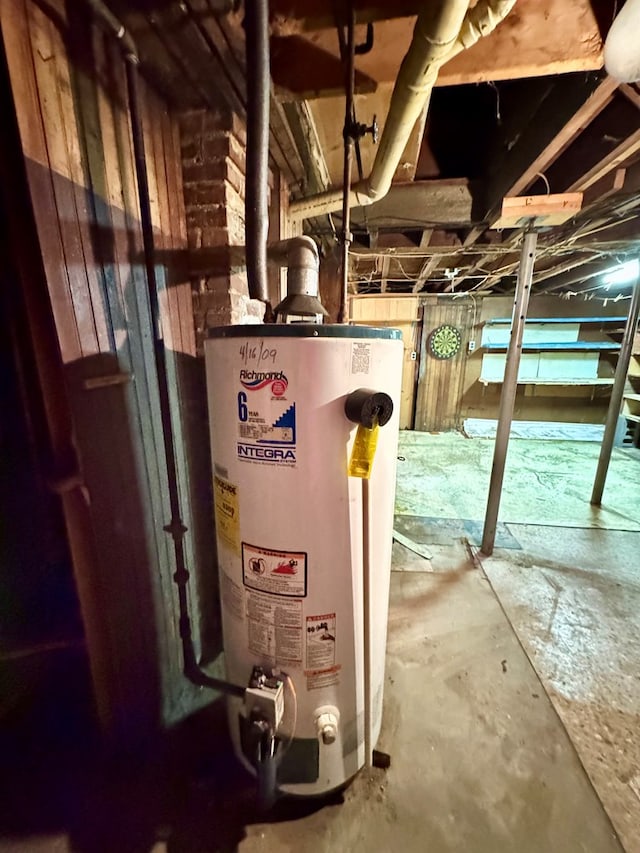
x=363, y=451
x=370, y=410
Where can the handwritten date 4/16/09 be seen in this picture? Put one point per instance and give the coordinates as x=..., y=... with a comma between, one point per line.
x=255, y=352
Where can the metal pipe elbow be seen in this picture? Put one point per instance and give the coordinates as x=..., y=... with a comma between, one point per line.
x=295, y=252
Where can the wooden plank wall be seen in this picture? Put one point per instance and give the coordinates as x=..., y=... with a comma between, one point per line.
x=397, y=313
x=70, y=96
x=440, y=380
x=449, y=391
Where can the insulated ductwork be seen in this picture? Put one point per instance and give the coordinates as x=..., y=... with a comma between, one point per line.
x=442, y=30
x=622, y=47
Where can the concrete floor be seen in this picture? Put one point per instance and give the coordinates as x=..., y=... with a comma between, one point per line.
x=572, y=593
x=481, y=761
x=573, y=598
x=446, y=475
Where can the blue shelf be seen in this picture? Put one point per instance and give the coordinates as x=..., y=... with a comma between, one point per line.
x=567, y=320
x=571, y=346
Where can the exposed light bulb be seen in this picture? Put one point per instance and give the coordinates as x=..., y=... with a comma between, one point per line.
x=624, y=274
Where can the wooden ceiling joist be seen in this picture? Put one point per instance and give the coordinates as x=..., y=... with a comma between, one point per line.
x=526, y=138
x=594, y=104
x=620, y=153
x=524, y=45
x=427, y=268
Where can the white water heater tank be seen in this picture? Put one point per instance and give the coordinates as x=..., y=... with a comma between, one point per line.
x=292, y=535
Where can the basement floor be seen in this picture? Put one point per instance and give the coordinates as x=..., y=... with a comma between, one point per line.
x=508, y=681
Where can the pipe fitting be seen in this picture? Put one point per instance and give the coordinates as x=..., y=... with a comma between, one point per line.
x=300, y=257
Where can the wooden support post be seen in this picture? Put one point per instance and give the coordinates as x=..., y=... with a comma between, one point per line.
x=617, y=394
x=509, y=388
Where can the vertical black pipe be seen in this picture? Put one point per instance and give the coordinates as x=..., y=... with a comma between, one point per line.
x=176, y=527
x=348, y=161
x=256, y=194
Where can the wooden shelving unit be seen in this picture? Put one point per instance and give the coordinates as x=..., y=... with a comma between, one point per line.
x=631, y=402
x=560, y=351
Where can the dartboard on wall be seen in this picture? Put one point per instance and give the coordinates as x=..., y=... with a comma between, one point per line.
x=445, y=341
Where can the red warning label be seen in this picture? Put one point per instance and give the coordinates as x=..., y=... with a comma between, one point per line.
x=317, y=678
x=275, y=572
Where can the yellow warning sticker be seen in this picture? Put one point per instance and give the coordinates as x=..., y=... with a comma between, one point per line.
x=227, y=513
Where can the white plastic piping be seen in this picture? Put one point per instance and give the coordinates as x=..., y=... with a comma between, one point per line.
x=480, y=21
x=442, y=30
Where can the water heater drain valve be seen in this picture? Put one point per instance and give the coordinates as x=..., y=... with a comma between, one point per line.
x=264, y=698
x=327, y=719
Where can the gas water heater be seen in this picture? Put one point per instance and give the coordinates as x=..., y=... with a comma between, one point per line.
x=304, y=548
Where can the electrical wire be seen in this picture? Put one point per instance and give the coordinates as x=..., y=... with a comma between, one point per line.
x=285, y=748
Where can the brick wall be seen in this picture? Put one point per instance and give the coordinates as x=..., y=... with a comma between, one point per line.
x=213, y=167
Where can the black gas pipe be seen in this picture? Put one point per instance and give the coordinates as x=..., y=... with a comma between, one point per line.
x=256, y=24
x=176, y=527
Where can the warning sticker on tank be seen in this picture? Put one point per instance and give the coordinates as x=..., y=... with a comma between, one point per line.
x=360, y=357
x=276, y=572
x=321, y=641
x=274, y=627
x=266, y=418
x=227, y=513
x=317, y=678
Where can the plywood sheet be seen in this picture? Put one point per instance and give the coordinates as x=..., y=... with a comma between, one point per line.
x=398, y=313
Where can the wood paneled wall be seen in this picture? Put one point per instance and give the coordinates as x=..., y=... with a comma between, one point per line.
x=396, y=313
x=69, y=91
x=448, y=391
x=440, y=381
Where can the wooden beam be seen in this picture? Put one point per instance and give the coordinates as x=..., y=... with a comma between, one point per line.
x=302, y=69
x=427, y=268
x=527, y=136
x=394, y=241
x=631, y=94
x=524, y=45
x=586, y=271
x=573, y=263
x=594, y=104
x=543, y=210
x=303, y=16
x=305, y=134
x=606, y=186
x=619, y=154
x=425, y=237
